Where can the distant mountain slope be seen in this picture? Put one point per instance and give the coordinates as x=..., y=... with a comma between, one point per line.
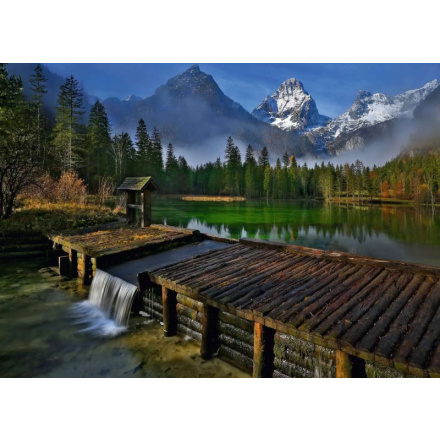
x=368, y=119
x=191, y=109
x=290, y=108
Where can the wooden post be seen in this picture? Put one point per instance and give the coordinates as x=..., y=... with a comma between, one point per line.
x=146, y=208
x=343, y=364
x=73, y=263
x=263, y=350
x=169, y=304
x=84, y=268
x=131, y=213
x=209, y=331
x=63, y=265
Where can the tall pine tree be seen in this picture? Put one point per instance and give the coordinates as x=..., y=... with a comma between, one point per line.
x=39, y=89
x=68, y=129
x=98, y=143
x=144, y=150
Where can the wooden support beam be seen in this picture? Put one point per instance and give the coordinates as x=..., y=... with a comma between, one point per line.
x=131, y=212
x=209, y=331
x=84, y=269
x=169, y=304
x=343, y=365
x=63, y=265
x=263, y=350
x=146, y=209
x=73, y=263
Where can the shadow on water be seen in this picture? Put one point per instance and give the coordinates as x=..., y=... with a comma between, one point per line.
x=39, y=336
x=394, y=232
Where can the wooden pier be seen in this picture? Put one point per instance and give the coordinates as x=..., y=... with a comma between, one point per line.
x=288, y=311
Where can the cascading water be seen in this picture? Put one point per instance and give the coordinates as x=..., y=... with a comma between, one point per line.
x=148, y=301
x=107, y=310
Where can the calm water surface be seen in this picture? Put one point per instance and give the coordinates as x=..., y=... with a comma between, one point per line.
x=383, y=231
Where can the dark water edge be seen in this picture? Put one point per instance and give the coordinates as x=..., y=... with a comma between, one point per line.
x=397, y=232
x=39, y=336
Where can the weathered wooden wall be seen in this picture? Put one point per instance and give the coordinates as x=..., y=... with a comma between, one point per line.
x=236, y=341
x=189, y=317
x=152, y=303
x=295, y=357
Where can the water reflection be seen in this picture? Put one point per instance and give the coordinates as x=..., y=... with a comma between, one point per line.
x=395, y=232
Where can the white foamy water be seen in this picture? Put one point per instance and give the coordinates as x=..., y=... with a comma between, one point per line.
x=107, y=311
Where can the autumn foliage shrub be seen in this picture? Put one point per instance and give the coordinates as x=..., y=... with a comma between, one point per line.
x=70, y=189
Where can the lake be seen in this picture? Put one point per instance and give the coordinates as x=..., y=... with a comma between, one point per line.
x=397, y=232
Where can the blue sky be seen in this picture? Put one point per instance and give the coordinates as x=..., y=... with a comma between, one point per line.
x=333, y=86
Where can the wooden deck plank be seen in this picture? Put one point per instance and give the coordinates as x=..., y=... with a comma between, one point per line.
x=297, y=313
x=344, y=307
x=320, y=278
x=267, y=303
x=337, y=296
x=400, y=325
x=372, y=337
x=265, y=291
x=418, y=326
x=370, y=316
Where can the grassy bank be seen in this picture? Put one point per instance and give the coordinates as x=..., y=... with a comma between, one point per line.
x=213, y=199
x=47, y=217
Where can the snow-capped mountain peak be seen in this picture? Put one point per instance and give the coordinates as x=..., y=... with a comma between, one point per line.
x=132, y=98
x=370, y=109
x=290, y=108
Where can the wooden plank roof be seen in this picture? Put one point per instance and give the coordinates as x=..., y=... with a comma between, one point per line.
x=380, y=310
x=138, y=184
x=103, y=242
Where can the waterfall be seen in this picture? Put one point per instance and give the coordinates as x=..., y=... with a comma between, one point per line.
x=148, y=306
x=107, y=310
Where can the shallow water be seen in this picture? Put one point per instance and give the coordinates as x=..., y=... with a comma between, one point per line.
x=39, y=336
x=383, y=231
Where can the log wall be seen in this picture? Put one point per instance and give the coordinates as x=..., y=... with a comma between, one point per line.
x=152, y=303
x=296, y=357
x=189, y=317
x=236, y=341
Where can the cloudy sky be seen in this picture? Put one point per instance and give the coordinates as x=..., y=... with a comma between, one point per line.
x=333, y=86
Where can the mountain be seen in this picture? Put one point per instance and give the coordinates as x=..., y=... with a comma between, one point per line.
x=290, y=108
x=369, y=118
x=191, y=110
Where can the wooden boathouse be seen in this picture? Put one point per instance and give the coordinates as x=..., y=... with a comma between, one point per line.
x=288, y=311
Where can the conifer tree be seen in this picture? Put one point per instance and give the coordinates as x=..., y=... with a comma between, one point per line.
x=144, y=150
x=98, y=143
x=39, y=89
x=267, y=185
x=171, y=169
x=250, y=172
x=156, y=156
x=68, y=129
x=233, y=167
x=263, y=160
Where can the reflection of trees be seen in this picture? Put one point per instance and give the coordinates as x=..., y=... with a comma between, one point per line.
x=285, y=221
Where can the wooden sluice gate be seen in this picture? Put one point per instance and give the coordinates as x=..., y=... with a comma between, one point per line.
x=80, y=253
x=287, y=311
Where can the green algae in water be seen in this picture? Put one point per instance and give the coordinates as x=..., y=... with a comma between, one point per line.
x=407, y=233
